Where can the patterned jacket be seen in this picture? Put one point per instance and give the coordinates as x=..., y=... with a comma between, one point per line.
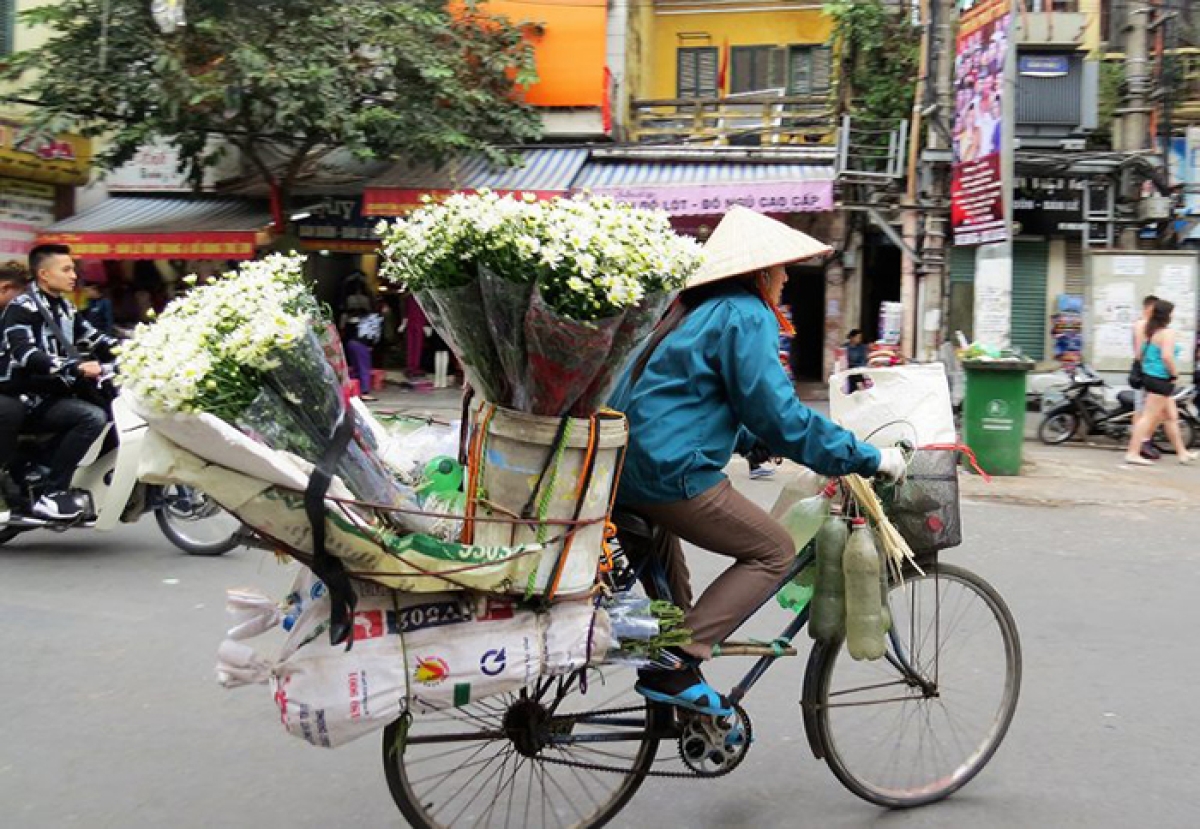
x=33, y=362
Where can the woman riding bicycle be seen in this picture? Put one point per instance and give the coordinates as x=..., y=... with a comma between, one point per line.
x=709, y=383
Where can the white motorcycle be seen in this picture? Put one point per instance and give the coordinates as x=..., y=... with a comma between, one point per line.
x=107, y=483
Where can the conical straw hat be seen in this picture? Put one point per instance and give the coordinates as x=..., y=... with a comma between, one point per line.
x=746, y=241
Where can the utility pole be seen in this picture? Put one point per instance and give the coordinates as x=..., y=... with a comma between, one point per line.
x=937, y=175
x=911, y=216
x=1135, y=114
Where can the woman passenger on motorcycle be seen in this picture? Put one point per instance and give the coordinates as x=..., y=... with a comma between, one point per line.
x=709, y=383
x=1159, y=369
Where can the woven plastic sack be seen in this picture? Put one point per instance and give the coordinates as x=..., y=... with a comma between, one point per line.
x=925, y=508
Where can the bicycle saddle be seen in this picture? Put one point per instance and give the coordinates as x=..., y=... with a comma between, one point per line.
x=630, y=523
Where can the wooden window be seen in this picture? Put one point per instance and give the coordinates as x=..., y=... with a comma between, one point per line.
x=696, y=72
x=750, y=69
x=809, y=70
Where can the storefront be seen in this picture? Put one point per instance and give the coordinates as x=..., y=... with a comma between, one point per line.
x=143, y=245
x=37, y=186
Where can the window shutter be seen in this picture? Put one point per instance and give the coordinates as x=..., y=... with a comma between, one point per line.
x=822, y=70
x=8, y=22
x=800, y=79
x=685, y=76
x=706, y=73
x=777, y=68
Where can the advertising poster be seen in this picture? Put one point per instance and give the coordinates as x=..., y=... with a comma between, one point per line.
x=977, y=187
x=993, y=296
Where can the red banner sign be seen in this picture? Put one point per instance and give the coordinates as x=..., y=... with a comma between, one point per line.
x=977, y=190
x=216, y=245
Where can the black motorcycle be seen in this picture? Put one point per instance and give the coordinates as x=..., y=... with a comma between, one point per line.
x=1083, y=410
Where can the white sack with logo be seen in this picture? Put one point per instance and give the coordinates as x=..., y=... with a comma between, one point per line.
x=910, y=403
x=501, y=650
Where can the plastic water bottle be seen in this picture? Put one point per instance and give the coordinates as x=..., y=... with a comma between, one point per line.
x=864, y=617
x=828, y=621
x=804, y=518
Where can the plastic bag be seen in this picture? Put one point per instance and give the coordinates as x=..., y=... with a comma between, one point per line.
x=635, y=325
x=910, y=403
x=407, y=453
x=507, y=303
x=462, y=321
x=564, y=357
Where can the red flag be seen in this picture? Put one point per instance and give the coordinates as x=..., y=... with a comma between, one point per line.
x=723, y=71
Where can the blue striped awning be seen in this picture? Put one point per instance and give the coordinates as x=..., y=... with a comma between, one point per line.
x=156, y=227
x=684, y=173
x=155, y=214
x=543, y=171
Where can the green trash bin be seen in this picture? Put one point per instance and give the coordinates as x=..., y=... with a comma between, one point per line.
x=994, y=413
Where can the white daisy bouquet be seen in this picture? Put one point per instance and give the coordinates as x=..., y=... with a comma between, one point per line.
x=252, y=348
x=541, y=301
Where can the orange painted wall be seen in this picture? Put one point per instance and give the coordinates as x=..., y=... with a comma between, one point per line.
x=570, y=53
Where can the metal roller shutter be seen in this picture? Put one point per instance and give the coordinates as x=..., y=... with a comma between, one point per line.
x=1074, y=255
x=1029, y=314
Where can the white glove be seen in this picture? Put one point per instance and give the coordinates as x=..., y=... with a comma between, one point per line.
x=892, y=464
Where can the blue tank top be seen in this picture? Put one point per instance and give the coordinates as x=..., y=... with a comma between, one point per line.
x=1152, y=363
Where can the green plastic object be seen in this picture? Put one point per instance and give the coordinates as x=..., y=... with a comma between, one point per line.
x=994, y=413
x=797, y=593
x=442, y=476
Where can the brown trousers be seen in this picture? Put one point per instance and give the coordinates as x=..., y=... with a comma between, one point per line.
x=726, y=522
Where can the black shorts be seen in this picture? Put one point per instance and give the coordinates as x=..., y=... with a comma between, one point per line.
x=1159, y=385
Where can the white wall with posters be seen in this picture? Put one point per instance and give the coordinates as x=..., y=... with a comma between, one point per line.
x=1119, y=281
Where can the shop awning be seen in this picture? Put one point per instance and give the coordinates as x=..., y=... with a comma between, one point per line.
x=128, y=227
x=544, y=172
x=697, y=188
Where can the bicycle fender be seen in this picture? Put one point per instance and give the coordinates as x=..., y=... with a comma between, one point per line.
x=810, y=698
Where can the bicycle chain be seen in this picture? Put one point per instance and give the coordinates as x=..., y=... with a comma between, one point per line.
x=676, y=775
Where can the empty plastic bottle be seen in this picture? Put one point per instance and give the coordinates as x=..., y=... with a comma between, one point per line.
x=828, y=620
x=864, y=616
x=804, y=518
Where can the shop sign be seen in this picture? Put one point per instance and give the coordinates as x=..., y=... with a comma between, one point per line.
x=713, y=199
x=155, y=168
x=25, y=208
x=1044, y=66
x=1048, y=206
x=336, y=223
x=64, y=159
x=216, y=245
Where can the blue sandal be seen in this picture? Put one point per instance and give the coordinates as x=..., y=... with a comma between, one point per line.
x=699, y=697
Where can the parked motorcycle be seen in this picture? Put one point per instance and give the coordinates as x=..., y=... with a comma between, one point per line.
x=1084, y=409
x=107, y=483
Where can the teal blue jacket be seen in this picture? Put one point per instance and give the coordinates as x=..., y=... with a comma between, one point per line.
x=713, y=385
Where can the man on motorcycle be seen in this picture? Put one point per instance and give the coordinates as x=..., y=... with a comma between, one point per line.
x=13, y=280
x=47, y=353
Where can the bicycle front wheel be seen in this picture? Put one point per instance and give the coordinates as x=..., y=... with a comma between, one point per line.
x=918, y=725
x=548, y=757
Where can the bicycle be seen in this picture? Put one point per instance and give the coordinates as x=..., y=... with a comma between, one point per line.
x=573, y=750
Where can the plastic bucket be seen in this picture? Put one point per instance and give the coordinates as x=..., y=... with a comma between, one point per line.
x=520, y=449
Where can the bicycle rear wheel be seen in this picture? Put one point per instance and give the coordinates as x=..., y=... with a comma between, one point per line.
x=918, y=725
x=529, y=759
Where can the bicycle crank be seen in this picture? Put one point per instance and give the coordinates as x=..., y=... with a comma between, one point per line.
x=714, y=746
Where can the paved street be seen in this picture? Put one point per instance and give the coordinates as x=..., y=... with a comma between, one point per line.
x=114, y=720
